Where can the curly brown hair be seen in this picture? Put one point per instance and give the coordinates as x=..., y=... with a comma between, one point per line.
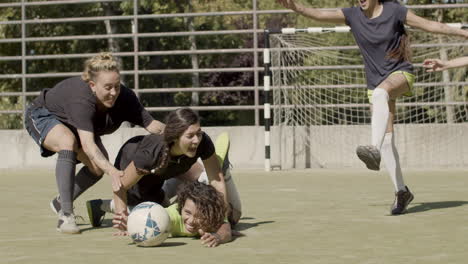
x=211, y=209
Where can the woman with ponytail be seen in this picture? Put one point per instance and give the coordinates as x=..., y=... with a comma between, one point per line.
x=148, y=161
x=69, y=120
x=378, y=27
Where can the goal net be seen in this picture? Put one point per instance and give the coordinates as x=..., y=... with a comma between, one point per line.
x=321, y=111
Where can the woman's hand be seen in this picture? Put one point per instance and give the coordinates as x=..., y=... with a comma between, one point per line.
x=120, y=222
x=291, y=4
x=116, y=175
x=209, y=239
x=433, y=65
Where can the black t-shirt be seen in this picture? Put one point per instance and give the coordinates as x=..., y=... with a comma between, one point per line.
x=376, y=37
x=74, y=104
x=144, y=151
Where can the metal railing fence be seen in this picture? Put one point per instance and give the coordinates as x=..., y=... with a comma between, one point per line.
x=255, y=32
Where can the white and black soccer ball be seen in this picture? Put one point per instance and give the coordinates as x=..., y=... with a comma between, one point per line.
x=148, y=224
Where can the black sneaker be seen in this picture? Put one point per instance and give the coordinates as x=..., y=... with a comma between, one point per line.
x=96, y=215
x=55, y=205
x=370, y=155
x=402, y=200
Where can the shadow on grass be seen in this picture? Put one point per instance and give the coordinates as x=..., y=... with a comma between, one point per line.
x=241, y=226
x=421, y=207
x=164, y=244
x=106, y=223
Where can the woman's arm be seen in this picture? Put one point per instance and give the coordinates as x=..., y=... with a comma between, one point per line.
x=95, y=156
x=221, y=236
x=131, y=176
x=415, y=21
x=155, y=127
x=335, y=16
x=433, y=65
x=215, y=175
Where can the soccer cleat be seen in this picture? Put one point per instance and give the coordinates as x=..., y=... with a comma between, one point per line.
x=55, y=205
x=370, y=155
x=66, y=224
x=402, y=200
x=222, y=145
x=95, y=213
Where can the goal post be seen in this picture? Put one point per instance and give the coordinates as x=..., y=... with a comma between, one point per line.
x=319, y=110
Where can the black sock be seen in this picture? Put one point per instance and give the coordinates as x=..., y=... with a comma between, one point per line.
x=65, y=176
x=83, y=180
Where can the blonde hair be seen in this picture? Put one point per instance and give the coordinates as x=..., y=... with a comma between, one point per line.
x=101, y=62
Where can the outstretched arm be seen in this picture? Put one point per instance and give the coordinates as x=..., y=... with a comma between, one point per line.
x=131, y=176
x=433, y=65
x=96, y=156
x=415, y=21
x=335, y=16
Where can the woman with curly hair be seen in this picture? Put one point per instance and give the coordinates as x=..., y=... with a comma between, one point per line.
x=200, y=211
x=148, y=161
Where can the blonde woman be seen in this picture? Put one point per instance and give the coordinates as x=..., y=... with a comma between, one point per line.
x=69, y=120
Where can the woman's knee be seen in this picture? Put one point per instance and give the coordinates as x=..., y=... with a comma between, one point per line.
x=93, y=168
x=60, y=138
x=395, y=85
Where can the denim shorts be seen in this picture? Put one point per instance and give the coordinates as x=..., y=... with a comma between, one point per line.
x=38, y=122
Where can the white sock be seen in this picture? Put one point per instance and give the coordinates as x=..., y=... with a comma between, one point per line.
x=380, y=116
x=203, y=178
x=391, y=159
x=108, y=206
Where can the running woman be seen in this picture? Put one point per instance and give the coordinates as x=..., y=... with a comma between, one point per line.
x=378, y=27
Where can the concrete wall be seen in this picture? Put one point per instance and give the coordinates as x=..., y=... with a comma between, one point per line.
x=419, y=146
x=18, y=150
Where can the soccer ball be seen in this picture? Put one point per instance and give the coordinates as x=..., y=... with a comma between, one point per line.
x=148, y=224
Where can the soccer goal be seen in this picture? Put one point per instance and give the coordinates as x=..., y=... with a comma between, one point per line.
x=320, y=111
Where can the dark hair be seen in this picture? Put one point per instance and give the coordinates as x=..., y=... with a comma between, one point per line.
x=211, y=209
x=177, y=122
x=403, y=51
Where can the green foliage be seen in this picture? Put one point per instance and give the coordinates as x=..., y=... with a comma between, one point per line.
x=172, y=43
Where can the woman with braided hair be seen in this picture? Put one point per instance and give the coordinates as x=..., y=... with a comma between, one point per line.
x=148, y=161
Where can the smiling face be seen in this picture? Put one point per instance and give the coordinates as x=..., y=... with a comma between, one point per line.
x=189, y=212
x=187, y=144
x=366, y=4
x=106, y=87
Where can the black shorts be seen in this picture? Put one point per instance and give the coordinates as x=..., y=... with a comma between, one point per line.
x=38, y=122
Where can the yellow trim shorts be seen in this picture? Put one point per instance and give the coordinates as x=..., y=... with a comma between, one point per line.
x=409, y=78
